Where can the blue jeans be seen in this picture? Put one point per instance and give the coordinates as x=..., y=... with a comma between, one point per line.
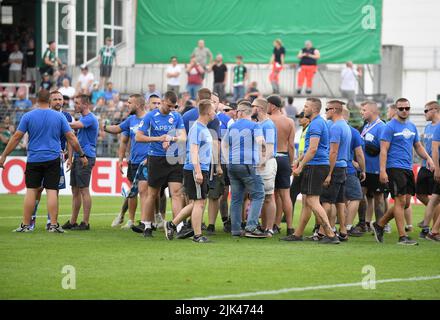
x=192, y=89
x=238, y=93
x=244, y=177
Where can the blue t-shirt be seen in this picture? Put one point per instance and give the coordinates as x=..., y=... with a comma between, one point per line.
x=340, y=133
x=88, y=135
x=192, y=115
x=270, y=134
x=108, y=95
x=21, y=107
x=402, y=137
x=225, y=122
x=199, y=135
x=318, y=129
x=436, y=135
x=44, y=126
x=96, y=95
x=427, y=139
x=63, y=137
x=356, y=142
x=371, y=134
x=23, y=104
x=241, y=137
x=156, y=124
x=138, y=150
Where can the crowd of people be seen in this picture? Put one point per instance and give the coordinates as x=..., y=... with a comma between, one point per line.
x=246, y=150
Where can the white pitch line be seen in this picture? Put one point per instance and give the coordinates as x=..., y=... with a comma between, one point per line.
x=331, y=286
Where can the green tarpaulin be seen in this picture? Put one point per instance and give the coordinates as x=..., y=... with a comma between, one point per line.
x=342, y=30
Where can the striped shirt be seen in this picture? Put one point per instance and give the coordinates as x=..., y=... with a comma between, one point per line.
x=107, y=55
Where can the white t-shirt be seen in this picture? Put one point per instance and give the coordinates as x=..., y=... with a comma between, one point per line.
x=16, y=66
x=86, y=80
x=349, y=79
x=70, y=92
x=173, y=81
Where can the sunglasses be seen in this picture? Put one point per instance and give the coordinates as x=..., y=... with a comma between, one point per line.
x=403, y=108
x=427, y=110
x=328, y=109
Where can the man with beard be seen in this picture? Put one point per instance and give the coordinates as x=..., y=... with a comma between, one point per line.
x=56, y=102
x=398, y=139
x=138, y=156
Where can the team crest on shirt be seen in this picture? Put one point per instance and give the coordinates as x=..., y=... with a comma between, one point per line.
x=141, y=124
x=171, y=120
x=406, y=133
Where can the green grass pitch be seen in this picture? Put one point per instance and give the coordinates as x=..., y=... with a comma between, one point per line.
x=116, y=264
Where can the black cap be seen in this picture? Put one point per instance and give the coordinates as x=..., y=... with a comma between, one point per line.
x=275, y=100
x=300, y=115
x=233, y=105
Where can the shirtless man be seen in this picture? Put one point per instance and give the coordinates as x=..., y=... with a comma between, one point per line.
x=285, y=157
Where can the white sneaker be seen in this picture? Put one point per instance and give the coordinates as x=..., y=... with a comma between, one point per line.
x=118, y=220
x=128, y=225
x=387, y=228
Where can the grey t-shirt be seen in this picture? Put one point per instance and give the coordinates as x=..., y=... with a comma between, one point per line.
x=202, y=55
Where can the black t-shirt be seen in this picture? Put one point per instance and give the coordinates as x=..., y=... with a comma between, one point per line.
x=308, y=61
x=278, y=53
x=31, y=58
x=219, y=73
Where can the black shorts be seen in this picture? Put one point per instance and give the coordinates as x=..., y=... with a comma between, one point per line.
x=284, y=171
x=160, y=172
x=131, y=172
x=216, y=186
x=400, y=182
x=312, y=179
x=46, y=174
x=79, y=175
x=193, y=190
x=225, y=175
x=105, y=71
x=425, y=181
x=335, y=193
x=373, y=185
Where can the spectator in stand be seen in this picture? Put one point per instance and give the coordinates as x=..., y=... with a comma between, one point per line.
x=202, y=55
x=31, y=64
x=68, y=90
x=195, y=76
x=21, y=105
x=85, y=81
x=240, y=78
x=173, y=74
x=15, y=65
x=291, y=110
x=100, y=106
x=220, y=76
x=106, y=56
x=349, y=83
x=4, y=62
x=277, y=62
x=50, y=61
x=63, y=75
x=152, y=91
x=308, y=65
x=109, y=92
x=46, y=84
x=252, y=92
x=96, y=93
